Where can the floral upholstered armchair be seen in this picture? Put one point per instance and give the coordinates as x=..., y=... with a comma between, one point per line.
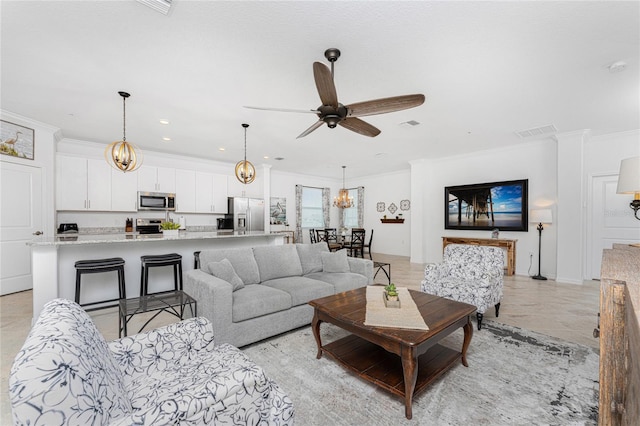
x=468, y=273
x=66, y=373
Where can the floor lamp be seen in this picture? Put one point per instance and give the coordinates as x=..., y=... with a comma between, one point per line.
x=540, y=216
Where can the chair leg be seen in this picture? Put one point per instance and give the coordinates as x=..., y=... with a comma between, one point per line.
x=497, y=309
x=479, y=316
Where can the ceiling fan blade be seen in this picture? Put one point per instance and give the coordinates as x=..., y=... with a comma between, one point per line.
x=312, y=111
x=384, y=105
x=311, y=129
x=359, y=126
x=325, y=85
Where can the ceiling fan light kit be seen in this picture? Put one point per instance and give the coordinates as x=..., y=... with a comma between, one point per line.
x=122, y=155
x=245, y=172
x=333, y=113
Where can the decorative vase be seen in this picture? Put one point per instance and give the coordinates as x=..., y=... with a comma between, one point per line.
x=170, y=233
x=391, y=301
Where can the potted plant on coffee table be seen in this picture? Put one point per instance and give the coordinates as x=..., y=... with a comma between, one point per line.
x=391, y=299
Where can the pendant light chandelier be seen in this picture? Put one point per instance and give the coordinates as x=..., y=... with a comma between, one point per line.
x=245, y=172
x=343, y=201
x=123, y=155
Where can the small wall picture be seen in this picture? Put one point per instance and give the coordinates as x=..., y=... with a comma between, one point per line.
x=17, y=141
x=278, y=211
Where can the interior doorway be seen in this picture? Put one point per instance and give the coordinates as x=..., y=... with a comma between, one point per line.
x=20, y=220
x=610, y=221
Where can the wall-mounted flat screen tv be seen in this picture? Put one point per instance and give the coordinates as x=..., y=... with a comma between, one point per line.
x=487, y=206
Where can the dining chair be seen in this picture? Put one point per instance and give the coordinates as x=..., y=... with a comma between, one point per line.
x=330, y=236
x=367, y=246
x=356, y=245
x=312, y=236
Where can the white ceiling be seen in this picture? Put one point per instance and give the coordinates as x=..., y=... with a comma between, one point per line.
x=488, y=69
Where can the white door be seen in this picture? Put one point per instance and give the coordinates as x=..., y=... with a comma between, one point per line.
x=612, y=221
x=20, y=220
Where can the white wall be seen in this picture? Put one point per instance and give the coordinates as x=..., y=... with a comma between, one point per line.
x=388, y=238
x=535, y=161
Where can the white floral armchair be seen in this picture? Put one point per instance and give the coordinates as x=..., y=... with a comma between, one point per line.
x=66, y=373
x=468, y=273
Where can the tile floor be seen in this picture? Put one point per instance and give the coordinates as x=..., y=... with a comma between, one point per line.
x=566, y=311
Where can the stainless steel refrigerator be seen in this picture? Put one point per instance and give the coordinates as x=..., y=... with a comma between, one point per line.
x=247, y=213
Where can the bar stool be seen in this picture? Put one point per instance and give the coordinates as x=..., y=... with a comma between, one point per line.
x=150, y=261
x=96, y=266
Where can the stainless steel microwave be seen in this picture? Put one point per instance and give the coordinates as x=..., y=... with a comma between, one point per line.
x=156, y=201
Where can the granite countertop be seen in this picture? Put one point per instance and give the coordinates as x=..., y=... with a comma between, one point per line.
x=134, y=237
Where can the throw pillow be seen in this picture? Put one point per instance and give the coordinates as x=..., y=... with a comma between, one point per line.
x=224, y=270
x=335, y=262
x=310, y=256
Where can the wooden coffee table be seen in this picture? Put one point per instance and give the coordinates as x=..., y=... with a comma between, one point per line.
x=402, y=361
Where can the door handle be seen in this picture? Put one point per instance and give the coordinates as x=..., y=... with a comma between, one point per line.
x=38, y=233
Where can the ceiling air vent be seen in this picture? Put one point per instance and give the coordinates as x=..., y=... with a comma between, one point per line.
x=161, y=6
x=541, y=131
x=409, y=123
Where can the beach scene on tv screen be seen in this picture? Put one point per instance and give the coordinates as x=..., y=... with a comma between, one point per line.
x=497, y=206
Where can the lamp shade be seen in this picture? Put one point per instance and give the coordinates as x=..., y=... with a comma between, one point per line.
x=629, y=177
x=540, y=216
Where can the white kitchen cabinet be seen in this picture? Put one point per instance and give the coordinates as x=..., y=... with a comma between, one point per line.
x=156, y=179
x=235, y=188
x=220, y=204
x=211, y=190
x=124, y=191
x=82, y=184
x=185, y=191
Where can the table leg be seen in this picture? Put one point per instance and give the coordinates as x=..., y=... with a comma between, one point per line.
x=410, y=372
x=468, y=333
x=315, y=326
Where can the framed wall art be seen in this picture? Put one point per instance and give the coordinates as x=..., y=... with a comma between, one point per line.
x=17, y=141
x=487, y=206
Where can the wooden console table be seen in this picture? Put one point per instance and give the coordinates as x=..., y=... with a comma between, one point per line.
x=510, y=245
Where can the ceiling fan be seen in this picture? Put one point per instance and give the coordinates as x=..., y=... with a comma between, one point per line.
x=334, y=113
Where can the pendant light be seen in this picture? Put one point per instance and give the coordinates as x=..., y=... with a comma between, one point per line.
x=123, y=155
x=343, y=201
x=245, y=172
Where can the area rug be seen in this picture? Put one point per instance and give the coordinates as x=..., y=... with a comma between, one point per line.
x=515, y=377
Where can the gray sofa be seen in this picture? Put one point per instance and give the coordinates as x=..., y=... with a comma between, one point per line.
x=250, y=294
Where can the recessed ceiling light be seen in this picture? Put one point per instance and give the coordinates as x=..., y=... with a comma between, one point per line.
x=221, y=149
x=266, y=157
x=380, y=155
x=163, y=121
x=166, y=139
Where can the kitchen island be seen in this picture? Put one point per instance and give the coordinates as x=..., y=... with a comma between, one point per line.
x=53, y=259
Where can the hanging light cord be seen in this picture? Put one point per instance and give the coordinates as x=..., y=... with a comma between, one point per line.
x=124, y=118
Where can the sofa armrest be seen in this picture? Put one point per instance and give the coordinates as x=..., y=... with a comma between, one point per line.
x=164, y=347
x=362, y=267
x=215, y=300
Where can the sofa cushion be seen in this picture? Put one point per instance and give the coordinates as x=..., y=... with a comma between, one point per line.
x=224, y=270
x=241, y=258
x=340, y=281
x=301, y=289
x=335, y=262
x=310, y=258
x=277, y=261
x=254, y=301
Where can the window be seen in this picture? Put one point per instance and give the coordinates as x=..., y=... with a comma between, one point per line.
x=312, y=208
x=351, y=214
